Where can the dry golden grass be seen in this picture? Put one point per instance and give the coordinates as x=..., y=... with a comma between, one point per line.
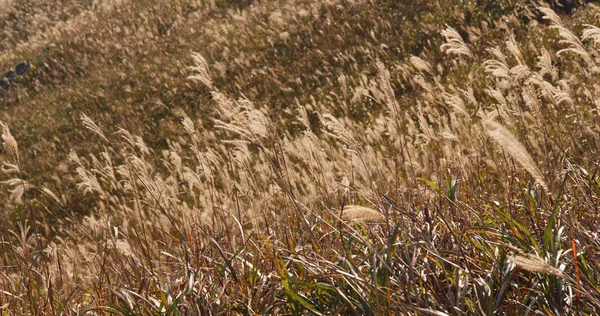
x=143, y=178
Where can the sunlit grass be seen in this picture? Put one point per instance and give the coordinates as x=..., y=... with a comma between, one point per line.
x=300, y=157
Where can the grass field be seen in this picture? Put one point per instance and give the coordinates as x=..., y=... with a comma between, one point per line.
x=300, y=157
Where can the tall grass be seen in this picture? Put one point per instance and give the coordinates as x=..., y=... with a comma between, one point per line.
x=458, y=177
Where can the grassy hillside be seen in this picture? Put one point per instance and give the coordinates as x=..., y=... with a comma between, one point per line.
x=299, y=157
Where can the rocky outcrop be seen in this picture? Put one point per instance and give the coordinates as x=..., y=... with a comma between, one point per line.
x=8, y=79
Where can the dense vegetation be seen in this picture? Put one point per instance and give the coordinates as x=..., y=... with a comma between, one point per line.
x=359, y=157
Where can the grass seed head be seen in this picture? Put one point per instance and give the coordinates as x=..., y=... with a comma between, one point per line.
x=515, y=149
x=535, y=264
x=361, y=214
x=10, y=144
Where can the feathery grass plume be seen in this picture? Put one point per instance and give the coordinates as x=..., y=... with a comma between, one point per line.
x=89, y=182
x=134, y=141
x=249, y=124
x=75, y=158
x=520, y=72
x=50, y=194
x=469, y=94
x=454, y=43
x=498, y=54
x=535, y=264
x=10, y=144
x=545, y=64
x=303, y=118
x=190, y=128
x=531, y=99
x=514, y=148
x=421, y=64
x=123, y=247
x=550, y=15
x=457, y=103
x=361, y=214
x=384, y=91
x=418, y=79
x=568, y=37
x=20, y=186
x=498, y=96
x=513, y=48
x=255, y=120
x=556, y=94
x=10, y=168
x=201, y=70
x=89, y=124
x=497, y=67
x=227, y=108
x=335, y=129
x=591, y=32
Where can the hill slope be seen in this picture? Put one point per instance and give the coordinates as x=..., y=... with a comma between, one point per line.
x=361, y=157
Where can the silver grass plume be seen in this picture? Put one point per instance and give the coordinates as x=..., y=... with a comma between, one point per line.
x=421, y=64
x=497, y=67
x=189, y=127
x=454, y=43
x=10, y=144
x=514, y=148
x=457, y=103
x=335, y=129
x=535, y=264
x=361, y=214
x=201, y=71
x=384, y=85
x=545, y=64
x=575, y=45
x=19, y=187
x=89, y=124
x=513, y=48
x=591, y=32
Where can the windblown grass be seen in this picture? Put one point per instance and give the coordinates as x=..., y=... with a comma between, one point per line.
x=313, y=157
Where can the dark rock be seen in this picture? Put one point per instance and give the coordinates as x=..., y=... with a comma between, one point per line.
x=9, y=76
x=4, y=84
x=22, y=68
x=6, y=80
